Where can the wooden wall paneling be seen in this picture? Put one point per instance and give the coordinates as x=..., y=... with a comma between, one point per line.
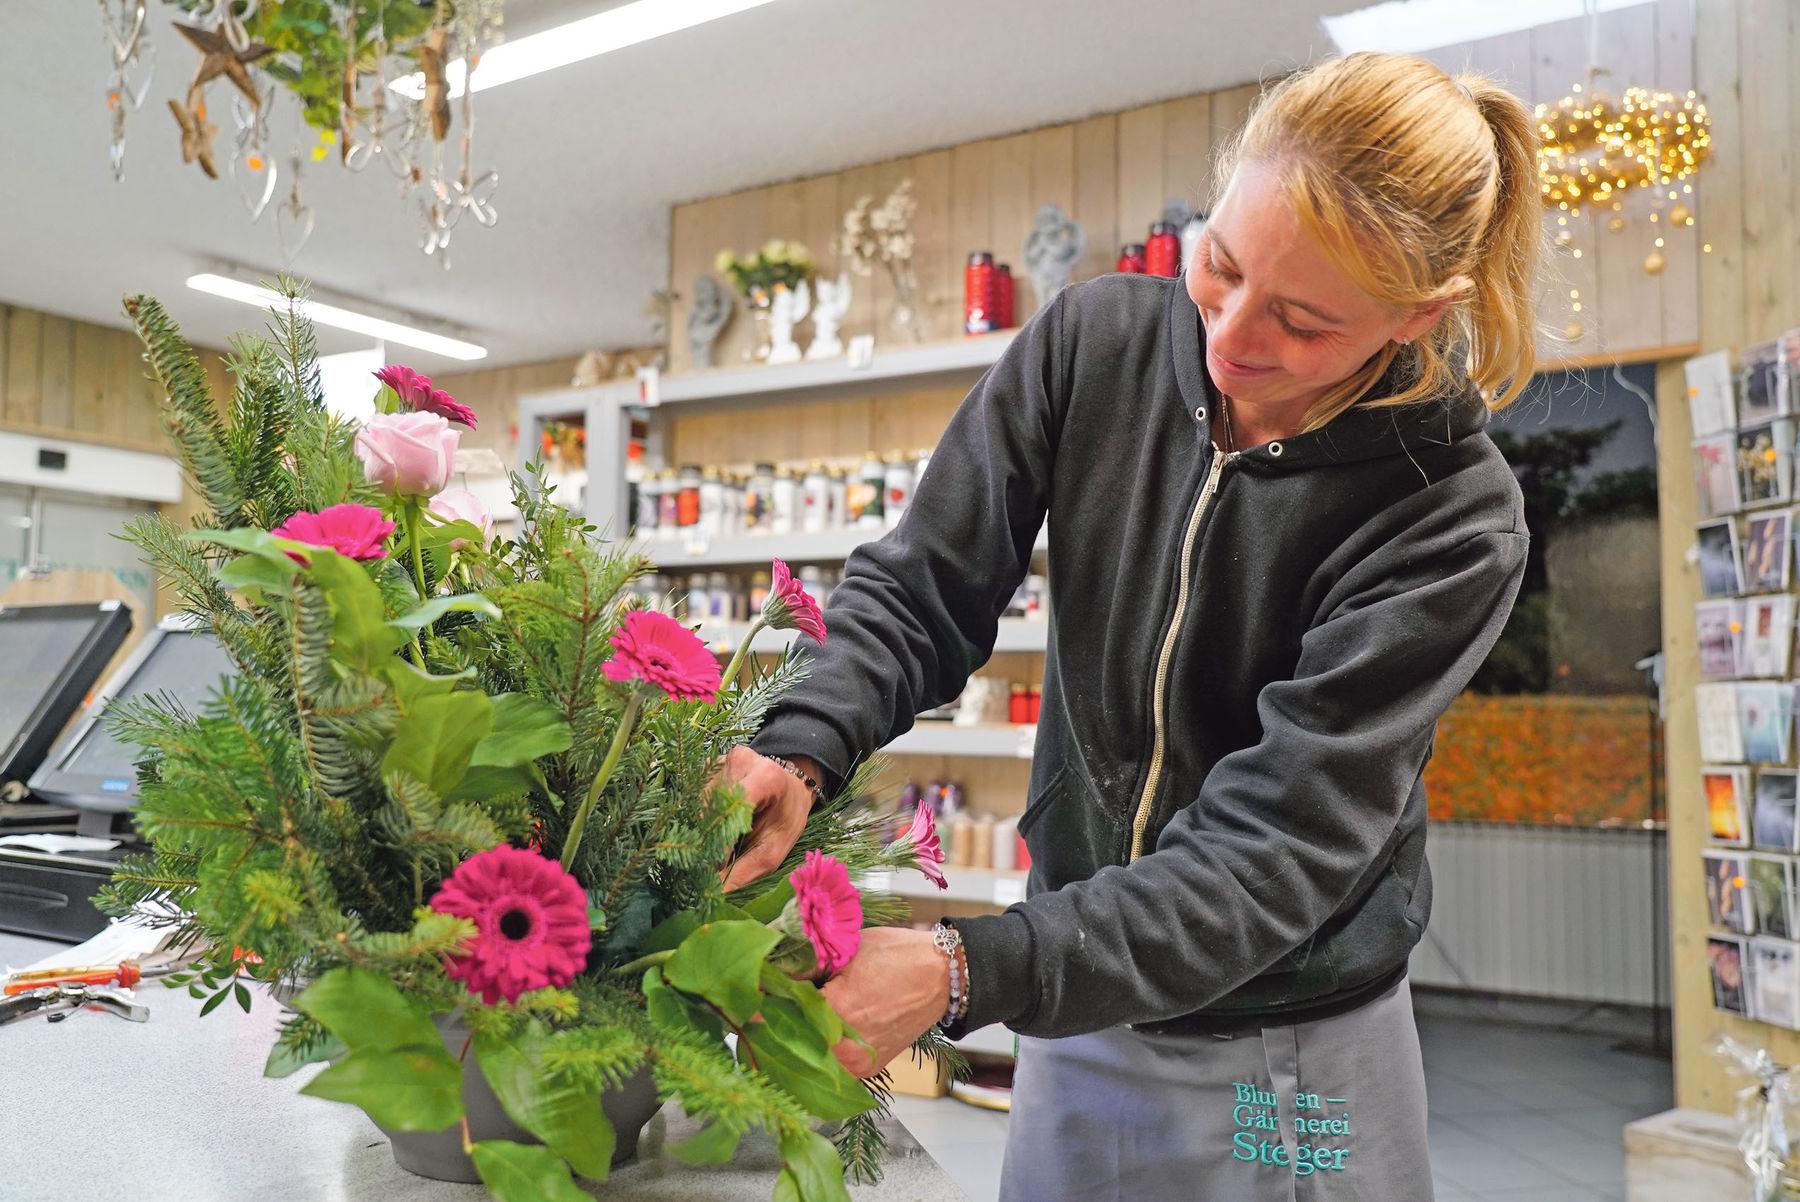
x=1140, y=177
x=937, y=260
x=687, y=259
x=1187, y=150
x=1627, y=307
x=714, y=219
x=113, y=416
x=1681, y=278
x=912, y=420
x=5, y=356
x=749, y=230
x=971, y=206
x=1053, y=182
x=1453, y=59
x=90, y=377
x=852, y=428
x=24, y=372
x=56, y=401
x=1719, y=221
x=1014, y=204
x=1559, y=59
x=1096, y=193
x=1768, y=170
x=785, y=218
x=888, y=176
x=1230, y=109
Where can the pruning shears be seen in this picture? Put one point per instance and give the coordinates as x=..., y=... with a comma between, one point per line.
x=59, y=1000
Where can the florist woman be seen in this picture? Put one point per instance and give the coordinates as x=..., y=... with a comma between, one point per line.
x=1281, y=544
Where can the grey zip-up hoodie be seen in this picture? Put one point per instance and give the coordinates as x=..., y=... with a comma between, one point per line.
x=1248, y=656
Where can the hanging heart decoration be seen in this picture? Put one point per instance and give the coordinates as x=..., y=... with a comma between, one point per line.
x=254, y=174
x=294, y=219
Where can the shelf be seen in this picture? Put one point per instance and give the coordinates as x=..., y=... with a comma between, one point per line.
x=947, y=738
x=908, y=367
x=993, y=886
x=704, y=551
x=1016, y=634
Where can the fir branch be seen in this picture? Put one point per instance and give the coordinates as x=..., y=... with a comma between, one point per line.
x=189, y=414
x=293, y=333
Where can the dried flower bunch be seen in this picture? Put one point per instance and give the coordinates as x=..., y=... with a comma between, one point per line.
x=879, y=235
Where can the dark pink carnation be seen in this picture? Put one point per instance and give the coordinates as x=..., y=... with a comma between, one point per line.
x=412, y=387
x=531, y=923
x=416, y=392
x=353, y=530
x=447, y=406
x=927, y=852
x=790, y=607
x=830, y=909
x=658, y=650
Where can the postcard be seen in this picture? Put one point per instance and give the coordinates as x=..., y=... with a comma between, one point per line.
x=1775, y=982
x=1716, y=707
x=1772, y=893
x=1721, y=559
x=1712, y=404
x=1726, y=958
x=1715, y=474
x=1728, y=892
x=1726, y=788
x=1762, y=385
x=1765, y=718
x=1718, y=626
x=1766, y=642
x=1765, y=462
x=1772, y=813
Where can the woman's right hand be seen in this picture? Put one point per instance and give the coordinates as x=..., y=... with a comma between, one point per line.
x=782, y=803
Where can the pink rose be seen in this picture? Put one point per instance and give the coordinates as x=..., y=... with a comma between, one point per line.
x=408, y=454
x=353, y=530
x=790, y=607
x=461, y=505
x=658, y=650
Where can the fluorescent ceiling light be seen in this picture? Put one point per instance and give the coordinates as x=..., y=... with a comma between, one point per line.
x=1409, y=26
x=602, y=33
x=338, y=318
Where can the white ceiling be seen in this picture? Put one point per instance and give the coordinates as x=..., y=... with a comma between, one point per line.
x=590, y=157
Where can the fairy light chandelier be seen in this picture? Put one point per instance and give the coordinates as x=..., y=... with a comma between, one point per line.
x=1597, y=148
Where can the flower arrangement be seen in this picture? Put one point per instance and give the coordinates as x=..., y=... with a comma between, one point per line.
x=777, y=264
x=463, y=776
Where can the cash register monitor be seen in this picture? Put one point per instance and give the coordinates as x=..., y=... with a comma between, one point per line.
x=94, y=771
x=50, y=656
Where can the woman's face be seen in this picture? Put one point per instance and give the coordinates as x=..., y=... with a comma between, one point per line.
x=1283, y=325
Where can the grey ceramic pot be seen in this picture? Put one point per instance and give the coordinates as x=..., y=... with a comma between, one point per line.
x=439, y=1154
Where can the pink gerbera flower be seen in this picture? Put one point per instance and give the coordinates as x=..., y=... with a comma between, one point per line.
x=531, y=923
x=830, y=909
x=353, y=530
x=790, y=607
x=658, y=650
x=927, y=852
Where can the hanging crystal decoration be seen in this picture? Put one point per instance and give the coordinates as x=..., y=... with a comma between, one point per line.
x=294, y=219
x=252, y=169
x=134, y=66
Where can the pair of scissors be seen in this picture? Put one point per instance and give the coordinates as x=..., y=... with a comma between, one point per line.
x=59, y=999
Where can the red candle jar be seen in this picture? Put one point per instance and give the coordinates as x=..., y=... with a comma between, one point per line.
x=1019, y=705
x=1162, y=254
x=1003, y=294
x=978, y=291
x=1131, y=259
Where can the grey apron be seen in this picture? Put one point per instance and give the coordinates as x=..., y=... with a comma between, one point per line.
x=1329, y=1111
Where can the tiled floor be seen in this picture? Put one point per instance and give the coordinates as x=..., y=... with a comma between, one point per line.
x=1518, y=1114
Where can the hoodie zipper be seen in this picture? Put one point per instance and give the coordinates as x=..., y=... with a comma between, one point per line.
x=1142, y=818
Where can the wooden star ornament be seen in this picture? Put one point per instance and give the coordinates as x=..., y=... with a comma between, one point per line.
x=197, y=133
x=219, y=57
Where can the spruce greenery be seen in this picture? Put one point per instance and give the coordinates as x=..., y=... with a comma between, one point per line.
x=292, y=814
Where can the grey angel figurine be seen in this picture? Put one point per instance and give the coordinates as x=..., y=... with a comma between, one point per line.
x=1055, y=244
x=711, y=313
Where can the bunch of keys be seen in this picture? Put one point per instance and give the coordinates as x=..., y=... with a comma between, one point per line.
x=63, y=999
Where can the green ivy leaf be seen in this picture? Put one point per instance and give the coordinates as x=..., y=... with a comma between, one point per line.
x=566, y=1117
x=769, y=906
x=796, y=1057
x=360, y=634
x=524, y=728
x=524, y=1173
x=811, y=1158
x=366, y=1011
x=286, y=1060
x=812, y=1003
x=722, y=962
x=248, y=572
x=713, y=1144
x=436, y=738
x=674, y=1010
x=461, y=603
x=407, y=1089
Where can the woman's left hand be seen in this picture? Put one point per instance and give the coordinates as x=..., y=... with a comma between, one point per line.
x=890, y=993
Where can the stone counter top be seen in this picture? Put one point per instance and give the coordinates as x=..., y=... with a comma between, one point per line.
x=177, y=1110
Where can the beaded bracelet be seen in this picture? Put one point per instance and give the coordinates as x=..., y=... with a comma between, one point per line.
x=948, y=939
x=794, y=770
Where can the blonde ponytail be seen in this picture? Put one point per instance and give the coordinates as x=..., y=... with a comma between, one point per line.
x=1421, y=189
